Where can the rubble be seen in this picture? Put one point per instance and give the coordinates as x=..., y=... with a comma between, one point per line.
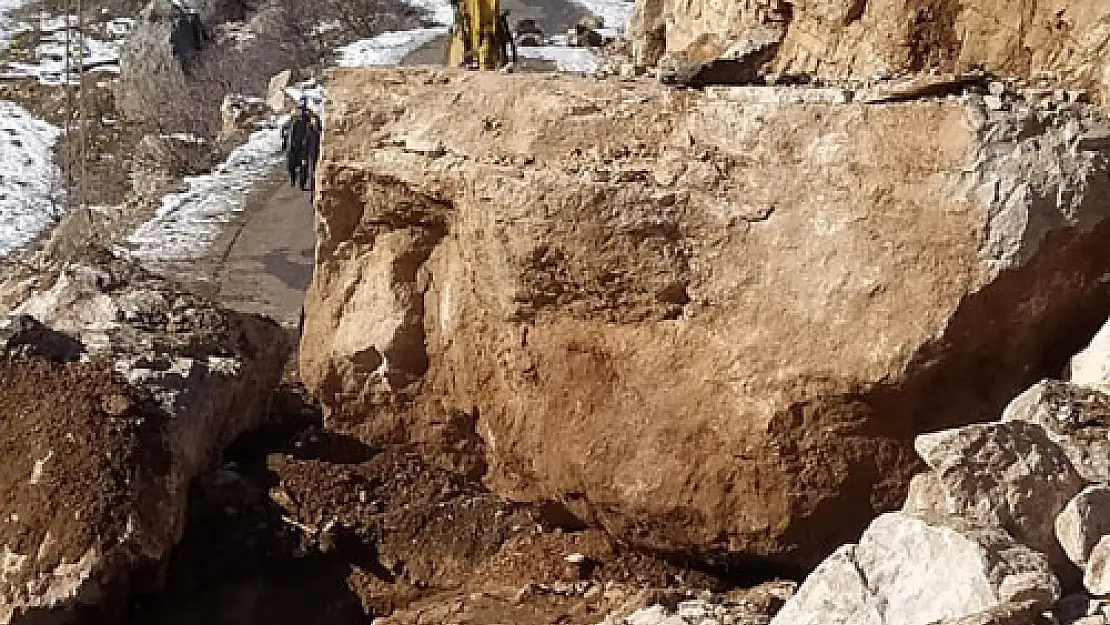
x=149, y=385
x=1015, y=475
x=910, y=570
x=1007, y=474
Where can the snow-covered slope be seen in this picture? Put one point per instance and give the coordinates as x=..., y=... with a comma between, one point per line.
x=30, y=182
x=188, y=223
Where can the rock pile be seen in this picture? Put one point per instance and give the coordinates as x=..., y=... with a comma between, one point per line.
x=118, y=389
x=1011, y=515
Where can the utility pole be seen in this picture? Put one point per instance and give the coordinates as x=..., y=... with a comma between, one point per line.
x=76, y=152
x=83, y=119
x=68, y=84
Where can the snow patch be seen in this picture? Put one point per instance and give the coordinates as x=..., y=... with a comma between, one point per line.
x=7, y=25
x=437, y=11
x=49, y=65
x=30, y=182
x=388, y=48
x=575, y=60
x=188, y=223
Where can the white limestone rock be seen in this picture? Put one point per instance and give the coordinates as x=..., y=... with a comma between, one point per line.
x=1006, y=474
x=911, y=570
x=1074, y=417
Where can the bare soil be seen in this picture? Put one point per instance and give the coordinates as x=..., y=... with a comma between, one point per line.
x=78, y=448
x=301, y=525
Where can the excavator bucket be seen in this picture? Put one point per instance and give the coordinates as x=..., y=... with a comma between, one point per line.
x=478, y=38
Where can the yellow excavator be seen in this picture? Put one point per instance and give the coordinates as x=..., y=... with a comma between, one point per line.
x=480, y=37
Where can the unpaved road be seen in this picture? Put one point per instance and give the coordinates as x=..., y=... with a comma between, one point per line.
x=552, y=16
x=265, y=265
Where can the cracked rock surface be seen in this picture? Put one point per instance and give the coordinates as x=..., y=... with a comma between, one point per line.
x=701, y=321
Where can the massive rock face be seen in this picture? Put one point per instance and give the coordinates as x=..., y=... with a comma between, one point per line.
x=118, y=389
x=860, y=38
x=705, y=322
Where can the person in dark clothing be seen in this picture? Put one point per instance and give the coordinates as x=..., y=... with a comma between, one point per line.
x=311, y=152
x=294, y=140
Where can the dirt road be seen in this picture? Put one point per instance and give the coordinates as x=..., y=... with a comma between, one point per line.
x=552, y=16
x=265, y=264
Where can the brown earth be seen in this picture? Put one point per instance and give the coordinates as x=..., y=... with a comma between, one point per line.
x=302, y=525
x=79, y=446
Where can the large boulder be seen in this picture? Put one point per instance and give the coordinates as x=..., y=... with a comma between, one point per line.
x=850, y=39
x=118, y=389
x=706, y=322
x=909, y=570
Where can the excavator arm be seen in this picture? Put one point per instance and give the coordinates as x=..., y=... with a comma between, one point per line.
x=480, y=37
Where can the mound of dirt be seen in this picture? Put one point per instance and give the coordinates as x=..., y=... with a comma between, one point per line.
x=84, y=466
x=303, y=525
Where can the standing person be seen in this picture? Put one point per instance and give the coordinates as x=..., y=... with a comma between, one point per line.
x=311, y=151
x=293, y=140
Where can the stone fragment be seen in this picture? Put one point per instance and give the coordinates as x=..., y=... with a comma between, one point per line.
x=1076, y=418
x=908, y=570
x=1009, y=474
x=1096, y=574
x=1084, y=521
x=276, y=97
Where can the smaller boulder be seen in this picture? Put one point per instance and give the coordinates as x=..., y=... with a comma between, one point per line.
x=588, y=37
x=1006, y=474
x=276, y=98
x=1076, y=418
x=911, y=570
x=1084, y=521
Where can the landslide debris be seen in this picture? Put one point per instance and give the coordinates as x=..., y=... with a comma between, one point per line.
x=303, y=524
x=119, y=389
